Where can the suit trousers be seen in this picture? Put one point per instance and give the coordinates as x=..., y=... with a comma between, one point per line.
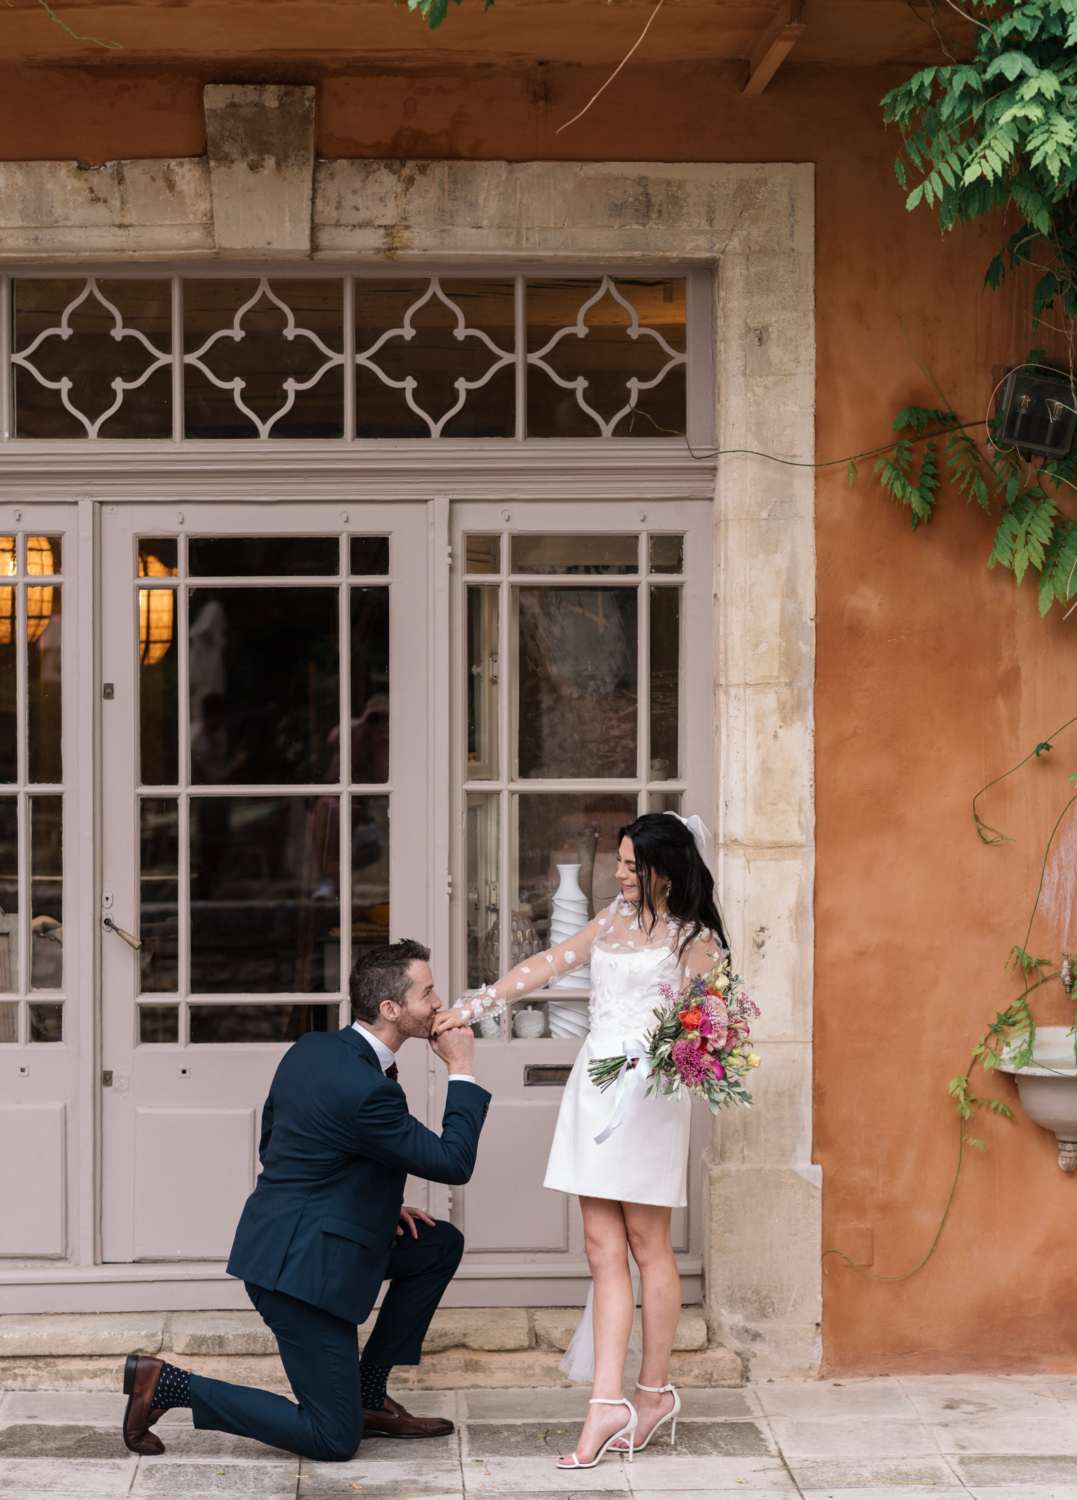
x=320, y=1354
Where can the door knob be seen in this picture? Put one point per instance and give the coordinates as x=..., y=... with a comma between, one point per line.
x=132, y=942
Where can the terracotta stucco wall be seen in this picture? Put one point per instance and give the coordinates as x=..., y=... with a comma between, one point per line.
x=934, y=675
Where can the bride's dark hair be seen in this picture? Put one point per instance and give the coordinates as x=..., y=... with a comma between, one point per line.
x=663, y=846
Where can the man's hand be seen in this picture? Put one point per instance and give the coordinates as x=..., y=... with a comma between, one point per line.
x=456, y=1048
x=408, y=1217
x=446, y=1020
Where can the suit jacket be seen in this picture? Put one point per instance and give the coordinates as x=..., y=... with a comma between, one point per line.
x=337, y=1144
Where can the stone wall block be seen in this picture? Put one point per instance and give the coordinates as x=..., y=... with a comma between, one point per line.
x=478, y=1328
x=41, y=1334
x=764, y=1245
x=221, y=1333
x=260, y=145
x=768, y=910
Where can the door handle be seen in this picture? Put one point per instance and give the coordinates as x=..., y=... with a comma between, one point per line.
x=132, y=942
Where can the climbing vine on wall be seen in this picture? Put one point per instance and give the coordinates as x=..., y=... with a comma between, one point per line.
x=993, y=138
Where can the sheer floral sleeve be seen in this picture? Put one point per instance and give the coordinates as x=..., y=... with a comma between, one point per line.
x=701, y=955
x=535, y=973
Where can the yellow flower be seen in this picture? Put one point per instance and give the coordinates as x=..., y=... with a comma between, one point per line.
x=753, y=1059
x=721, y=983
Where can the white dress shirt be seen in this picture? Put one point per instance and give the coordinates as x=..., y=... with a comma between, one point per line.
x=387, y=1057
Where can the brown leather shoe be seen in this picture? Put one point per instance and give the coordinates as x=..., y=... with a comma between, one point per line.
x=393, y=1421
x=140, y=1376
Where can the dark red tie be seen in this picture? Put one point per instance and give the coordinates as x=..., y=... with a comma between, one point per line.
x=392, y=1071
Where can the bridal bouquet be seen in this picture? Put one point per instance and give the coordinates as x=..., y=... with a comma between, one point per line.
x=700, y=1042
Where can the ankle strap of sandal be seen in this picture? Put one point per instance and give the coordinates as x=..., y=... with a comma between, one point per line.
x=658, y=1390
x=609, y=1401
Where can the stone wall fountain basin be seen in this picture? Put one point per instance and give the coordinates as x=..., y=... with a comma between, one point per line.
x=1048, y=1089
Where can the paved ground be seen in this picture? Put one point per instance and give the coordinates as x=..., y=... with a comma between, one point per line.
x=1008, y=1438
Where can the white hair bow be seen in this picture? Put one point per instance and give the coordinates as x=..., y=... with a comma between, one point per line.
x=697, y=828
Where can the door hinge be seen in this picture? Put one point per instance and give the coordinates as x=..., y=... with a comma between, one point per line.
x=448, y=550
x=106, y=1079
x=448, y=885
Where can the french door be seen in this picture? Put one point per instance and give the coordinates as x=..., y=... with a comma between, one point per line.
x=582, y=693
x=266, y=817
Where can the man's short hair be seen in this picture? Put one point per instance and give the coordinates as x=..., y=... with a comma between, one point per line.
x=382, y=974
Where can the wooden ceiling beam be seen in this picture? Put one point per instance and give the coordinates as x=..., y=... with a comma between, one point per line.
x=774, y=46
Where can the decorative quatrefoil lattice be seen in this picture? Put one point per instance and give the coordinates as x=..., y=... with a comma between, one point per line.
x=120, y=384
x=632, y=384
x=246, y=358
x=409, y=383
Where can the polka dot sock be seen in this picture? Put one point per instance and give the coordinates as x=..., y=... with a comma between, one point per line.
x=372, y=1382
x=173, y=1388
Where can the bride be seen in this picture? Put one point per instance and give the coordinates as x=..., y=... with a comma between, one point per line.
x=662, y=929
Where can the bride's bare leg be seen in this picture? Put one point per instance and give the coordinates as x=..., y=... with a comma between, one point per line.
x=606, y=1240
x=649, y=1236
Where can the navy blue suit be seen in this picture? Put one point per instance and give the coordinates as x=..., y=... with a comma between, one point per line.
x=317, y=1238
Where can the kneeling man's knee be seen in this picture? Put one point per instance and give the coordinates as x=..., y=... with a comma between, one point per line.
x=338, y=1447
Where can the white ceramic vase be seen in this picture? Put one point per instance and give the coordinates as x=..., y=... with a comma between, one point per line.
x=568, y=913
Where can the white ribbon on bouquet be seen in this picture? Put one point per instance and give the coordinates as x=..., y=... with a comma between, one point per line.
x=630, y=1081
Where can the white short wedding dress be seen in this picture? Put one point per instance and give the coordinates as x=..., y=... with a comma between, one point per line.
x=645, y=1158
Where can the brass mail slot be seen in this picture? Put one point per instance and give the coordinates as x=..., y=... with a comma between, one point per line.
x=546, y=1075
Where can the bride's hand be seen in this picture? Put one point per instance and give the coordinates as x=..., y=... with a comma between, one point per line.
x=445, y=1020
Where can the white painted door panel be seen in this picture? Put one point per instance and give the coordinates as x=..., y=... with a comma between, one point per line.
x=32, y=1179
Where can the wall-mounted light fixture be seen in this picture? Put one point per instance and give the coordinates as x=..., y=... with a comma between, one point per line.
x=1038, y=412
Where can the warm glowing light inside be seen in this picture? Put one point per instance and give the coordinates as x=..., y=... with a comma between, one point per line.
x=39, y=564
x=155, y=613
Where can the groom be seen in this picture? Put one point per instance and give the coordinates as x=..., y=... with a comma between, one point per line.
x=325, y=1226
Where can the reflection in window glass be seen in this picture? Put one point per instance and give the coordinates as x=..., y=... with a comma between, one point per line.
x=370, y=875
x=159, y=895
x=665, y=683
x=370, y=685
x=9, y=1021
x=482, y=683
x=605, y=382
x=458, y=331
x=43, y=684
x=92, y=359
x=667, y=554
x=157, y=557
x=46, y=1023
x=575, y=554
x=264, y=684
x=578, y=688
x=46, y=894
x=158, y=687
x=369, y=555
x=263, y=556
x=9, y=895
x=263, y=902
x=577, y=828
x=259, y=1023
x=158, y=1023
x=483, y=895
x=289, y=385
x=482, y=554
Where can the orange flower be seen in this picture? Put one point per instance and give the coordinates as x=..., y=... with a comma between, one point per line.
x=690, y=1019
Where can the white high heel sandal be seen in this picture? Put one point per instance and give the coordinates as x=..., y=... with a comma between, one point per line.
x=627, y=1430
x=660, y=1390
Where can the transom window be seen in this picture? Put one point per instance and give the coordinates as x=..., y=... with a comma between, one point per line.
x=349, y=357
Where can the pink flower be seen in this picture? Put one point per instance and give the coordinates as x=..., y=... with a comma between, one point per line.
x=719, y=1071
x=693, y=1065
